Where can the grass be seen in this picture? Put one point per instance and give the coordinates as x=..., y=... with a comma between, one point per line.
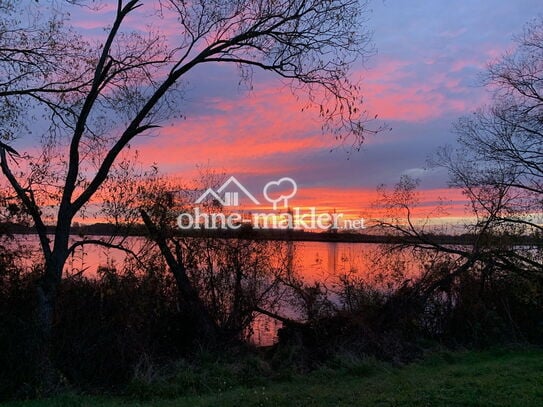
x=512, y=377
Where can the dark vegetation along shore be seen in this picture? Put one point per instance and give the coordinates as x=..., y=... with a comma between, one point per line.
x=173, y=323
x=130, y=330
x=109, y=229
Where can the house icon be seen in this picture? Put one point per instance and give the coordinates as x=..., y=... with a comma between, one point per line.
x=229, y=198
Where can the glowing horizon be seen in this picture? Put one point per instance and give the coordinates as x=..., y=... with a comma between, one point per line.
x=423, y=77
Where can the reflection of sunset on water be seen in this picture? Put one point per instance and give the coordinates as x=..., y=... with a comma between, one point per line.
x=323, y=262
x=290, y=202
x=312, y=260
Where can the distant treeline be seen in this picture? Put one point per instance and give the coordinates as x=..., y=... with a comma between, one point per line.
x=247, y=232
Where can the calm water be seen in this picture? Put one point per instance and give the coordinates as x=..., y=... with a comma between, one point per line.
x=313, y=261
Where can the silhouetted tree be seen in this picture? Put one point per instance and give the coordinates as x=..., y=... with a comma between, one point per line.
x=498, y=161
x=94, y=99
x=498, y=165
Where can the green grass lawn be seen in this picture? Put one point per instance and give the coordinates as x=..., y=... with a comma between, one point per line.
x=491, y=378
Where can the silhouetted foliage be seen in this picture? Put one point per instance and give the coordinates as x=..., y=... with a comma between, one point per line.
x=490, y=290
x=94, y=99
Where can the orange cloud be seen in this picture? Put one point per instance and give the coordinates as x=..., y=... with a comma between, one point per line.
x=399, y=90
x=266, y=123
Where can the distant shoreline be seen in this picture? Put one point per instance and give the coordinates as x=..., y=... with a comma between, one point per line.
x=105, y=229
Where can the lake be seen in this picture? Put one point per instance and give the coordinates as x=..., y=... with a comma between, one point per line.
x=313, y=261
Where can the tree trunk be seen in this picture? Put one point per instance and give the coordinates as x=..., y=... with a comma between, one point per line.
x=207, y=328
x=48, y=378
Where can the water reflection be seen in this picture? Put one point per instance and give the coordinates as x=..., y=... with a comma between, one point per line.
x=311, y=261
x=323, y=260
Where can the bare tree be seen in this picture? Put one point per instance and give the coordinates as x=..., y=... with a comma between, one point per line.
x=221, y=283
x=498, y=165
x=95, y=99
x=498, y=162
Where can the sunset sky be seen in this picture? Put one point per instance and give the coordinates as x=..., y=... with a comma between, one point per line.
x=423, y=76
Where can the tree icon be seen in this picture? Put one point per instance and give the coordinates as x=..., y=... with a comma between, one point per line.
x=279, y=187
